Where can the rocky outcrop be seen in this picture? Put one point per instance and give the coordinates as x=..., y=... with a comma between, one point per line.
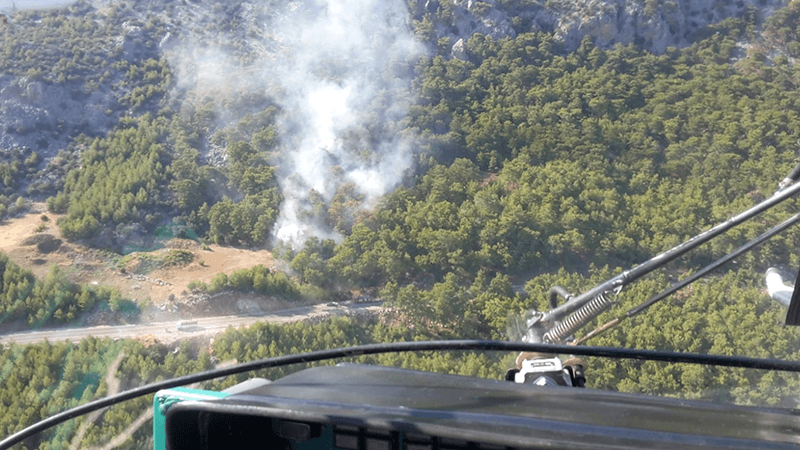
x=653, y=24
x=45, y=116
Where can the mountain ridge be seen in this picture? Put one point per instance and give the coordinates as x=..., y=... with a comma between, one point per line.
x=653, y=25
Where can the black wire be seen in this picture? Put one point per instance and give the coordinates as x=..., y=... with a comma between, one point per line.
x=371, y=349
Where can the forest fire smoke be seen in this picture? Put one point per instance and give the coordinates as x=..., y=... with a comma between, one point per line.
x=340, y=73
x=344, y=100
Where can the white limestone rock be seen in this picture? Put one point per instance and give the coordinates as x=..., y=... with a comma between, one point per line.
x=655, y=25
x=460, y=50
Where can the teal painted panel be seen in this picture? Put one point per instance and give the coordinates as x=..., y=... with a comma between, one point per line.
x=163, y=400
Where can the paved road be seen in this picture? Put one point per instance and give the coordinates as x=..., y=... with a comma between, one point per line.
x=167, y=331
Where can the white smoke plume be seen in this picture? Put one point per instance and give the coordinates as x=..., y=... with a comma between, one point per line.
x=340, y=72
x=340, y=84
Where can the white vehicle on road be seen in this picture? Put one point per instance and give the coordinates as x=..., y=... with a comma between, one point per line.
x=187, y=325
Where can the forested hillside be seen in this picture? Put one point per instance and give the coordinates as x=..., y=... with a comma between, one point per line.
x=545, y=162
x=533, y=166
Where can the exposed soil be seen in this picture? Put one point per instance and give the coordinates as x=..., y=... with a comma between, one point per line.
x=37, y=244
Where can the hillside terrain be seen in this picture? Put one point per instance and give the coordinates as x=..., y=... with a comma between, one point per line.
x=651, y=24
x=454, y=158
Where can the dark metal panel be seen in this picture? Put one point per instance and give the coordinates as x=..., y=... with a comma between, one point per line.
x=506, y=414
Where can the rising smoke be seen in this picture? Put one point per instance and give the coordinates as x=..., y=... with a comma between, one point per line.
x=339, y=71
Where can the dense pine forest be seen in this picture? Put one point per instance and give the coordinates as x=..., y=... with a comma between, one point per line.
x=534, y=167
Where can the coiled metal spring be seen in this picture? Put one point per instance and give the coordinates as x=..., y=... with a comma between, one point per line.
x=578, y=319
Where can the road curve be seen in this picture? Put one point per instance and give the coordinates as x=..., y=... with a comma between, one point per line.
x=167, y=331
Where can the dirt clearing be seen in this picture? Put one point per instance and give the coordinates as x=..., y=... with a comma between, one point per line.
x=35, y=243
